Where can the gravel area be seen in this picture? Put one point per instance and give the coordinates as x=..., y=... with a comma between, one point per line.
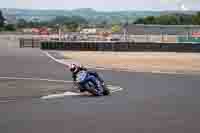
x=141, y=61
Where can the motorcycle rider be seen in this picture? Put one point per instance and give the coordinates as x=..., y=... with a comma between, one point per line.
x=77, y=68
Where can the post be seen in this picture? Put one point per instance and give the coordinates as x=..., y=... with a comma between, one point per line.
x=59, y=32
x=20, y=43
x=162, y=34
x=188, y=35
x=32, y=43
x=124, y=34
x=147, y=38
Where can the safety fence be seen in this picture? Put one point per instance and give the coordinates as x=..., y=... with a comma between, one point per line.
x=31, y=43
x=119, y=46
x=188, y=39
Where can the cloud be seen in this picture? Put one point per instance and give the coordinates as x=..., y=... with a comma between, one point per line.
x=181, y=4
x=184, y=8
x=179, y=1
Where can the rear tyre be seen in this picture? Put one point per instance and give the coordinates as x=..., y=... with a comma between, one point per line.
x=91, y=89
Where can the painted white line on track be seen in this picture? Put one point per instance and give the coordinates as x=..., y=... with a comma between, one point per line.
x=115, y=90
x=7, y=101
x=60, y=95
x=56, y=60
x=68, y=93
x=36, y=79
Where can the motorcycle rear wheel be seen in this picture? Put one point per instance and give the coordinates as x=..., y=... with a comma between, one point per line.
x=91, y=89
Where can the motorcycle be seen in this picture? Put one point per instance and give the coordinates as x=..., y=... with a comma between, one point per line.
x=91, y=84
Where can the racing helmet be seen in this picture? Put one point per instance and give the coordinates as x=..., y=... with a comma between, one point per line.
x=74, y=68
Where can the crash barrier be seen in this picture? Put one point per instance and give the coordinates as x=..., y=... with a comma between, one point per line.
x=33, y=43
x=188, y=39
x=120, y=46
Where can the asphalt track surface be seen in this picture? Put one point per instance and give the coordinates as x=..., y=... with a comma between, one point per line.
x=149, y=103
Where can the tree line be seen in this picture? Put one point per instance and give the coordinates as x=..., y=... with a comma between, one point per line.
x=173, y=19
x=71, y=23
x=3, y=25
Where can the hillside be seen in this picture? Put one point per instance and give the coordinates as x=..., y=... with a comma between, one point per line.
x=89, y=14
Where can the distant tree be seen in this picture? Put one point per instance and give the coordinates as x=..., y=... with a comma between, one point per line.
x=33, y=24
x=196, y=19
x=61, y=20
x=79, y=20
x=72, y=26
x=72, y=23
x=173, y=19
x=139, y=21
x=116, y=28
x=102, y=24
x=163, y=20
x=168, y=20
x=9, y=27
x=2, y=19
x=21, y=23
x=150, y=20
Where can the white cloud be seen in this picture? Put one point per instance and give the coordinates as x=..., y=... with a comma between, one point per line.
x=103, y=4
x=183, y=8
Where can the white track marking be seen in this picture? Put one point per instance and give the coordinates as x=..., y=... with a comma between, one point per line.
x=36, y=79
x=7, y=101
x=56, y=60
x=68, y=93
x=60, y=95
x=111, y=87
x=114, y=88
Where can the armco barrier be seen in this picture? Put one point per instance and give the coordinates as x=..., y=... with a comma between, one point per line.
x=120, y=46
x=188, y=39
x=33, y=43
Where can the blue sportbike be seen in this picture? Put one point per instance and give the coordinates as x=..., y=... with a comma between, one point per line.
x=90, y=83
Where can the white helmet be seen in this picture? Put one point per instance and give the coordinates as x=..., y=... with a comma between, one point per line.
x=74, y=68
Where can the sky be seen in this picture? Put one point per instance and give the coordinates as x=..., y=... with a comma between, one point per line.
x=104, y=5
